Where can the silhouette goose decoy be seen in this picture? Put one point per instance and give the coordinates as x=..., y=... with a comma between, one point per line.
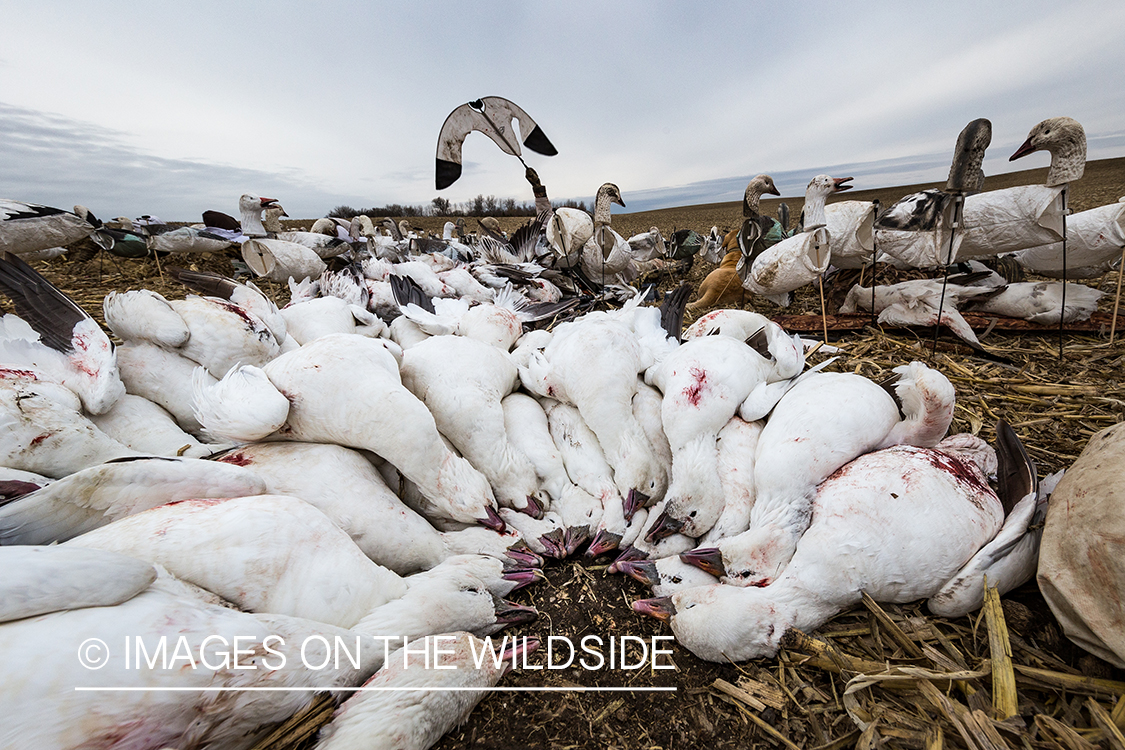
x=493, y=116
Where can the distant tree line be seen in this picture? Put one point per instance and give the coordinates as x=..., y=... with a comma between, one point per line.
x=481, y=205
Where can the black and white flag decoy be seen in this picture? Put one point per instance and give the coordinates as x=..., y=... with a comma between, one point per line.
x=493, y=116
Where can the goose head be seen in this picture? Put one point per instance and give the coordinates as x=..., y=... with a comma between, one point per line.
x=1065, y=139
x=607, y=194
x=251, y=207
x=722, y=623
x=753, y=558
x=759, y=186
x=818, y=190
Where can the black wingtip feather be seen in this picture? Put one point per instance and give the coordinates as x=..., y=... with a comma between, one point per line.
x=406, y=291
x=40, y=303
x=1016, y=474
x=672, y=310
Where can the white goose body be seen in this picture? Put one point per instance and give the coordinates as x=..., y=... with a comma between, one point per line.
x=462, y=382
x=164, y=378
x=738, y=445
x=1042, y=302
x=593, y=364
x=39, y=706
x=350, y=491
x=800, y=259
x=146, y=427
x=530, y=432
x=415, y=720
x=318, y=406
x=56, y=338
x=321, y=316
x=824, y=422
x=298, y=562
x=704, y=382
x=873, y=530
x=43, y=430
x=738, y=324
x=567, y=233
x=99, y=495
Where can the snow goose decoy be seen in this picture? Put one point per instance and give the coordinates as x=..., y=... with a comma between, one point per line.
x=29, y=228
x=872, y=530
x=493, y=116
x=825, y=421
x=56, y=338
x=307, y=395
x=802, y=258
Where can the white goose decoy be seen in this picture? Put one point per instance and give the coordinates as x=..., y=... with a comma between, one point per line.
x=800, y=259
x=825, y=421
x=250, y=208
x=917, y=302
x=607, y=257
x=345, y=486
x=1041, y=302
x=97, y=496
x=462, y=382
x=567, y=233
x=405, y=719
x=56, y=338
x=89, y=594
x=1094, y=240
x=43, y=430
x=27, y=228
x=307, y=395
x=881, y=510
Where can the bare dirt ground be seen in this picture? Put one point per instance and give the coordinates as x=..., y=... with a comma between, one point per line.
x=798, y=699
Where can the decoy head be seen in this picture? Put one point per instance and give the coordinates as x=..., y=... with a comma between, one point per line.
x=755, y=189
x=1065, y=139
x=825, y=185
x=612, y=193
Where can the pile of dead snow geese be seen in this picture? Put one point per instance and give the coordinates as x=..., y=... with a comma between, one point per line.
x=394, y=451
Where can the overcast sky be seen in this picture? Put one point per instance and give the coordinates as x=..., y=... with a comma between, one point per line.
x=174, y=108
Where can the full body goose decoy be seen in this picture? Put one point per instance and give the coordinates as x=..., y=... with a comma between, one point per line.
x=758, y=232
x=825, y=421
x=306, y=395
x=97, y=496
x=873, y=531
x=56, y=339
x=72, y=595
x=800, y=259
x=28, y=228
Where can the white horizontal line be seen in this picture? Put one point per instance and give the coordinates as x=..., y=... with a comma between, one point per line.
x=380, y=689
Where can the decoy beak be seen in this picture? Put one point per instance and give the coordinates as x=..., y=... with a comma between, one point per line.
x=267, y=201
x=707, y=559
x=839, y=183
x=1023, y=150
x=661, y=608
